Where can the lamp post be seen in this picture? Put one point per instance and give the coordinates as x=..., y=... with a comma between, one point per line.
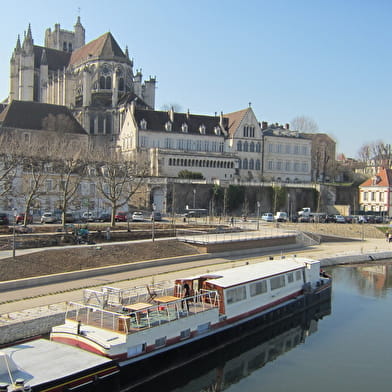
x=258, y=215
x=13, y=235
x=194, y=197
x=153, y=223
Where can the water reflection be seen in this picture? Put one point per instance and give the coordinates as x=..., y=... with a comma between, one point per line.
x=217, y=371
x=369, y=279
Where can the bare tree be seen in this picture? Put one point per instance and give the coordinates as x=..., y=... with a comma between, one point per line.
x=377, y=154
x=117, y=178
x=8, y=166
x=304, y=124
x=70, y=164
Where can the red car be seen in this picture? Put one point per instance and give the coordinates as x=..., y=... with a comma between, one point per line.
x=121, y=217
x=20, y=218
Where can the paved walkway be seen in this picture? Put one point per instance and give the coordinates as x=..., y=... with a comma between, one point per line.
x=18, y=305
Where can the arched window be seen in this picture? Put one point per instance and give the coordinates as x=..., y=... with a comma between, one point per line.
x=100, y=124
x=246, y=146
x=170, y=161
x=257, y=164
x=258, y=147
x=168, y=126
x=121, y=84
x=184, y=127
x=239, y=164
x=252, y=147
x=245, y=164
x=251, y=164
x=108, y=123
x=108, y=83
x=239, y=145
x=102, y=82
x=143, y=124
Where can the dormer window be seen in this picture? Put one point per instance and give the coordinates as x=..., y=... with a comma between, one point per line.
x=168, y=126
x=202, y=129
x=143, y=124
x=217, y=131
x=184, y=128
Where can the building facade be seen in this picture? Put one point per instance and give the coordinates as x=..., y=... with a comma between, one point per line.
x=287, y=155
x=375, y=193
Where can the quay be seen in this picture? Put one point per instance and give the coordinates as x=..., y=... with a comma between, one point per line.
x=32, y=311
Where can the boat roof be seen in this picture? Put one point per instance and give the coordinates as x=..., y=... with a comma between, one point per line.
x=251, y=272
x=40, y=361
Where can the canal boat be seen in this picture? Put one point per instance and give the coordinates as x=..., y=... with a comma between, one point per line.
x=157, y=327
x=39, y=365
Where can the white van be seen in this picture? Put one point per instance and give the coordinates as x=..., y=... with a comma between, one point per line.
x=281, y=216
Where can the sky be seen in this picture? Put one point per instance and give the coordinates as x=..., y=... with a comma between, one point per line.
x=328, y=60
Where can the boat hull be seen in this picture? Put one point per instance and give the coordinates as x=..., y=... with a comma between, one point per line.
x=133, y=371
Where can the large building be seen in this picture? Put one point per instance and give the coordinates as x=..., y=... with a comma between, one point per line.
x=95, y=80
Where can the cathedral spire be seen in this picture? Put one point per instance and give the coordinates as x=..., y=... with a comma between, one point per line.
x=126, y=52
x=18, y=47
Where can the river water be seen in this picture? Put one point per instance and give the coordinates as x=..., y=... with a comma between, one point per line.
x=348, y=349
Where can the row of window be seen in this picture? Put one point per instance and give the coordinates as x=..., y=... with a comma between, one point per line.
x=251, y=164
x=101, y=124
x=261, y=286
x=288, y=166
x=279, y=148
x=200, y=163
x=189, y=145
x=105, y=83
x=373, y=196
x=249, y=131
x=251, y=147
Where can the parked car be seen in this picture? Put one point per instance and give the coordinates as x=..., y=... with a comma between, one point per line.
x=267, y=217
x=121, y=217
x=362, y=219
x=49, y=217
x=69, y=217
x=4, y=220
x=105, y=217
x=340, y=219
x=20, y=218
x=137, y=216
x=156, y=216
x=88, y=217
x=281, y=216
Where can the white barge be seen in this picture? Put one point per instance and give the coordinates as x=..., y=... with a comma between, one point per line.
x=155, y=327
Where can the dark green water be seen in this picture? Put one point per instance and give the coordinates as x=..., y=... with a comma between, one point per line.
x=349, y=349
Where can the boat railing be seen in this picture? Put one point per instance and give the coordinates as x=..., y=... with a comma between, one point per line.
x=112, y=298
x=166, y=308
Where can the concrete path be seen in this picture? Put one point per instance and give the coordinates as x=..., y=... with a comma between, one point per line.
x=26, y=303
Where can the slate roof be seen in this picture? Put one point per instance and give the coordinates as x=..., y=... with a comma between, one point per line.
x=56, y=59
x=38, y=116
x=156, y=121
x=235, y=119
x=104, y=47
x=382, y=179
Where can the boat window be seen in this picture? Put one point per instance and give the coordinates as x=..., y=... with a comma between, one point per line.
x=160, y=342
x=277, y=282
x=298, y=275
x=258, y=288
x=185, y=334
x=290, y=277
x=138, y=349
x=236, y=294
x=203, y=327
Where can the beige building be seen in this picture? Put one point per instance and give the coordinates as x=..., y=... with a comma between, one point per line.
x=375, y=194
x=286, y=155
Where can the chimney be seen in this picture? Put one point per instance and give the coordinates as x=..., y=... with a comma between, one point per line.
x=287, y=126
x=264, y=125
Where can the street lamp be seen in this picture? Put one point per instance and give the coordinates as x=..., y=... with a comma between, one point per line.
x=194, y=197
x=13, y=235
x=258, y=215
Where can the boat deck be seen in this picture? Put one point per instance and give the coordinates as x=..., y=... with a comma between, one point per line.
x=135, y=316
x=40, y=361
